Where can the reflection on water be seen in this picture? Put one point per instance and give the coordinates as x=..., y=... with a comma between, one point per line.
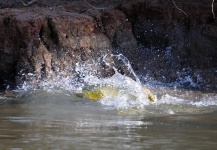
x=45, y=120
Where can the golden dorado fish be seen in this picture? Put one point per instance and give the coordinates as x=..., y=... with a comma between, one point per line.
x=97, y=92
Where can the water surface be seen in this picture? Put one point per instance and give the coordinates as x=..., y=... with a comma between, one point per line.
x=181, y=119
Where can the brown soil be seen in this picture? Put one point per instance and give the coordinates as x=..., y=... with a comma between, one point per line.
x=47, y=37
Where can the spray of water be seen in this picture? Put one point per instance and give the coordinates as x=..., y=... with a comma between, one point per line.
x=168, y=100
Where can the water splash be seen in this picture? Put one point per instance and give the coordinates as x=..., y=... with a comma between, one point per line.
x=185, y=79
x=125, y=98
x=68, y=85
x=205, y=101
x=124, y=62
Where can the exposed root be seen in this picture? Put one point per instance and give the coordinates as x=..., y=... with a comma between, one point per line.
x=180, y=8
x=29, y=3
x=213, y=9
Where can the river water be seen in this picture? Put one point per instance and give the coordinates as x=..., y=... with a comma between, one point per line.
x=52, y=117
x=45, y=119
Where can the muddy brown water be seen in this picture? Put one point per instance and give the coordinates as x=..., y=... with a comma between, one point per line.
x=49, y=120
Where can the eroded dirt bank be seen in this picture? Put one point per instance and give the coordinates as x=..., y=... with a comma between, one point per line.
x=162, y=39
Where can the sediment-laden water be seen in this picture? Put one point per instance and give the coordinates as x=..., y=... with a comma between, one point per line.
x=56, y=119
x=52, y=117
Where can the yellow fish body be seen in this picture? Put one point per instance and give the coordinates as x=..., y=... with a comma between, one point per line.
x=97, y=92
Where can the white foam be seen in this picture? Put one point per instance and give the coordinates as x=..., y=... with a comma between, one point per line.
x=123, y=100
x=168, y=99
x=205, y=101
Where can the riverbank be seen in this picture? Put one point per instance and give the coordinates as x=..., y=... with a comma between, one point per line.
x=164, y=40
